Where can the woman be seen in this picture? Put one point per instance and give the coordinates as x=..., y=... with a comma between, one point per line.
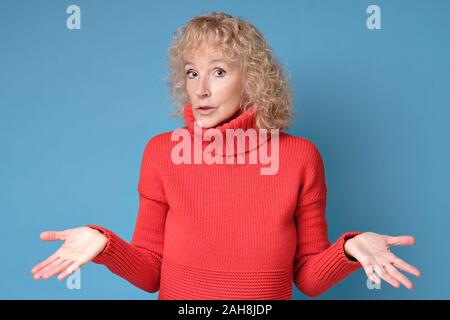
x=224, y=230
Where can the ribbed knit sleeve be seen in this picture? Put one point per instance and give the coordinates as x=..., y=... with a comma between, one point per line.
x=139, y=262
x=318, y=264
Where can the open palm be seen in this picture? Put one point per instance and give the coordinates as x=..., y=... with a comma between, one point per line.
x=373, y=251
x=80, y=246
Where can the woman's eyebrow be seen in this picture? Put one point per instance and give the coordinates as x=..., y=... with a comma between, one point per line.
x=212, y=61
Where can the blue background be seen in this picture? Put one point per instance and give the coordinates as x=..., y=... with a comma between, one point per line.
x=78, y=106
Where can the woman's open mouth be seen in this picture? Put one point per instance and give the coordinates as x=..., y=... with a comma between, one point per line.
x=205, y=110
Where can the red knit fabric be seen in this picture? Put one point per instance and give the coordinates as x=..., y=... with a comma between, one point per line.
x=224, y=231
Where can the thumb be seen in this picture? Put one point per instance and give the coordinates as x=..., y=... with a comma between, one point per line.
x=52, y=235
x=401, y=241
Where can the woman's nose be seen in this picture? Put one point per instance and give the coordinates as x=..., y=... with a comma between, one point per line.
x=203, y=88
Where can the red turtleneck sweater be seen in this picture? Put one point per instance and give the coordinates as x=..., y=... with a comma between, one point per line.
x=226, y=231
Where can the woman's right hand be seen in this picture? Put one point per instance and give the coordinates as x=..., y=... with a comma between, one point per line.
x=80, y=246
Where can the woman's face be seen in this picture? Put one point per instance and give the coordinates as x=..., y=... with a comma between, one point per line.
x=213, y=83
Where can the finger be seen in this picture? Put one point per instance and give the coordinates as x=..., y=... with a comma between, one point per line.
x=399, y=276
x=42, y=264
x=81, y=261
x=402, y=265
x=52, y=235
x=48, y=267
x=401, y=241
x=57, y=269
x=387, y=277
x=71, y=269
x=371, y=275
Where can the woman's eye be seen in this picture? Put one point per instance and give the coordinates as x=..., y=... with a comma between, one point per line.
x=222, y=72
x=189, y=72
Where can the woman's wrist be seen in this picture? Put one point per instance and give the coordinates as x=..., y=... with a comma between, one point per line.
x=347, y=249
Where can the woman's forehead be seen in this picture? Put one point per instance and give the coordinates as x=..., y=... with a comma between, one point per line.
x=210, y=53
x=210, y=49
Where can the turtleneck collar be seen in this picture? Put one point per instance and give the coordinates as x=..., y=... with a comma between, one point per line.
x=245, y=121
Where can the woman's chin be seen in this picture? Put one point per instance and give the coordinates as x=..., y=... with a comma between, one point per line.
x=206, y=123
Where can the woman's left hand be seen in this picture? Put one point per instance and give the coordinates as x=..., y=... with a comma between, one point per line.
x=372, y=251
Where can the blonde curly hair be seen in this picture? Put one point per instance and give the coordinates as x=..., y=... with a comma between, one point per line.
x=266, y=86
